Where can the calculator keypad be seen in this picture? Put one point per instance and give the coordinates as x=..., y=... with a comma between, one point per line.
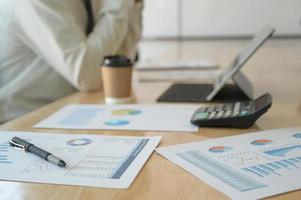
x=224, y=111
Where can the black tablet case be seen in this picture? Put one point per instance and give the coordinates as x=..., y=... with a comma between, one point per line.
x=199, y=92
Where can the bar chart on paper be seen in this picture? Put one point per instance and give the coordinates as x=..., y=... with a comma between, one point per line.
x=226, y=174
x=106, y=163
x=285, y=159
x=249, y=166
x=92, y=160
x=4, y=148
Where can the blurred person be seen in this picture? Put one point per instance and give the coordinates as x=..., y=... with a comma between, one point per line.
x=52, y=48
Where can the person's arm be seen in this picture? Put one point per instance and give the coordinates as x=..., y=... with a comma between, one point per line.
x=129, y=45
x=52, y=32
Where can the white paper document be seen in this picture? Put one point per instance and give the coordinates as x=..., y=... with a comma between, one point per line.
x=176, y=64
x=123, y=117
x=187, y=76
x=249, y=166
x=92, y=160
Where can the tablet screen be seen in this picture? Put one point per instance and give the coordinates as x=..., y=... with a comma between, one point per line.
x=241, y=59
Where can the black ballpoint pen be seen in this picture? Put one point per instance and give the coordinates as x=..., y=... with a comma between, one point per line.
x=28, y=147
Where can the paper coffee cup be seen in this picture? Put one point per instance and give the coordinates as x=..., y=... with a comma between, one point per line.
x=117, y=79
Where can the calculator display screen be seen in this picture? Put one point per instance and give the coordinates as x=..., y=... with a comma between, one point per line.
x=260, y=102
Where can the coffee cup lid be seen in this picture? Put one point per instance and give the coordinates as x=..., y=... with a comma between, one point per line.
x=117, y=61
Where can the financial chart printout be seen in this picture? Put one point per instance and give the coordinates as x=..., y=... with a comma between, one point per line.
x=248, y=166
x=92, y=160
x=123, y=117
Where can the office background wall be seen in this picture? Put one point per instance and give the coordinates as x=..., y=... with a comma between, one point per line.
x=217, y=18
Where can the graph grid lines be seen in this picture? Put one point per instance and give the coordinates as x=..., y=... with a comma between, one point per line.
x=275, y=167
x=220, y=171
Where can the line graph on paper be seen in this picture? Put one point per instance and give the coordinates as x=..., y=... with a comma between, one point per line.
x=38, y=166
x=244, y=159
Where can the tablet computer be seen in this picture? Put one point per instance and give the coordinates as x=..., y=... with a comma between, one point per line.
x=241, y=88
x=240, y=60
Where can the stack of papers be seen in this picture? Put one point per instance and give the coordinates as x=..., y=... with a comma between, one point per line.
x=194, y=70
x=176, y=65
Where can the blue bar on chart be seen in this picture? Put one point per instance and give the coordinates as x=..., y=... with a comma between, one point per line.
x=221, y=171
x=273, y=168
x=4, y=159
x=118, y=173
x=281, y=152
x=4, y=147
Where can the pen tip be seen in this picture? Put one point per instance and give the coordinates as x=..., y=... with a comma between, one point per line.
x=62, y=164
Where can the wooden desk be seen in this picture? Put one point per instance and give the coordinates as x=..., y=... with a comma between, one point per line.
x=276, y=68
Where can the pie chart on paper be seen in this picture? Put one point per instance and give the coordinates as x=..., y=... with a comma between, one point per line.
x=124, y=112
x=219, y=149
x=117, y=122
x=261, y=142
x=79, y=142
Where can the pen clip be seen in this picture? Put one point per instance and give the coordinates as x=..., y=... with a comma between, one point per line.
x=16, y=145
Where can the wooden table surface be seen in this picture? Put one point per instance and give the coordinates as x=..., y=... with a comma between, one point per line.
x=275, y=69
